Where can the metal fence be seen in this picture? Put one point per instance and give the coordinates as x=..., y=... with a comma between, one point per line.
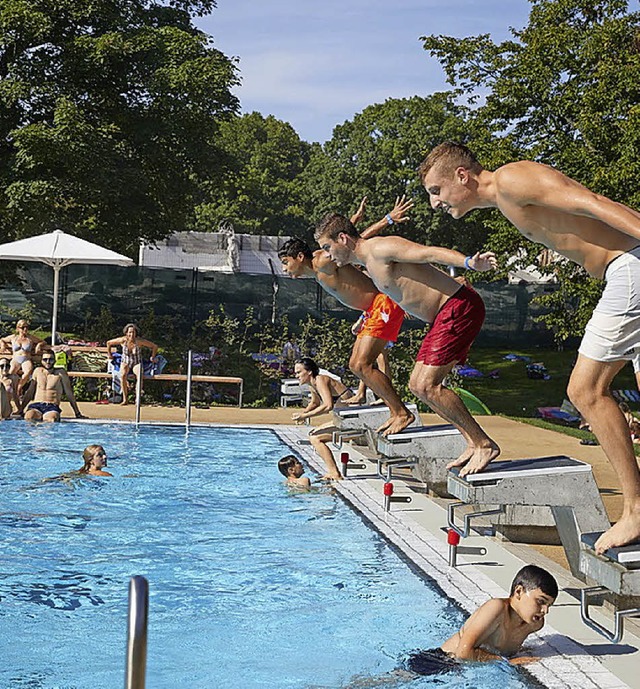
x=188, y=296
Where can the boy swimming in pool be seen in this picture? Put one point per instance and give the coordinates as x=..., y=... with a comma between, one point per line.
x=498, y=628
x=291, y=468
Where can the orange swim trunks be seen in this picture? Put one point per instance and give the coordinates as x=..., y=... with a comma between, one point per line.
x=383, y=319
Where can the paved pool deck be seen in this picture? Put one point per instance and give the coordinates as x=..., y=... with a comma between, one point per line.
x=571, y=655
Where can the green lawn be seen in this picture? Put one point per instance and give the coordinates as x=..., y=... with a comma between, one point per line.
x=513, y=394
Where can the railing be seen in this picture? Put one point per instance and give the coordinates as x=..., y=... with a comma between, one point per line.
x=136, y=666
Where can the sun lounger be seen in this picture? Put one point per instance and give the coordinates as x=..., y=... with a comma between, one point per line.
x=432, y=448
x=563, y=484
x=616, y=571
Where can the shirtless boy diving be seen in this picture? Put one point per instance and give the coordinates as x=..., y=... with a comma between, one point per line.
x=354, y=289
x=401, y=269
x=603, y=237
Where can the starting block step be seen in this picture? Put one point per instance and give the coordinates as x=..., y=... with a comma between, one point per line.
x=617, y=568
x=617, y=571
x=563, y=484
x=367, y=416
x=432, y=448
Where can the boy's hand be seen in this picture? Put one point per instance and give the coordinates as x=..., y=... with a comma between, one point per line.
x=483, y=262
x=359, y=214
x=403, y=206
x=523, y=660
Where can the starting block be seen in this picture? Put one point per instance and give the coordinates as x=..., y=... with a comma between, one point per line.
x=364, y=420
x=616, y=571
x=428, y=448
x=563, y=484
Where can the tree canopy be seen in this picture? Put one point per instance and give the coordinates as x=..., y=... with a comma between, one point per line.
x=108, y=113
x=261, y=190
x=564, y=91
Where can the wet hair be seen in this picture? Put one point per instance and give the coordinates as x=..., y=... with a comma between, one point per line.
x=532, y=577
x=47, y=350
x=88, y=454
x=333, y=224
x=286, y=464
x=310, y=365
x=131, y=325
x=448, y=156
x=293, y=247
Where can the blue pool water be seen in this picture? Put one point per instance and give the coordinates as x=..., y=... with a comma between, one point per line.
x=251, y=586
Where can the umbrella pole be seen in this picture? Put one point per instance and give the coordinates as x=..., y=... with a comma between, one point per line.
x=54, y=322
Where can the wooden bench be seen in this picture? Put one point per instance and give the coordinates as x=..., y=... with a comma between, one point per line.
x=174, y=377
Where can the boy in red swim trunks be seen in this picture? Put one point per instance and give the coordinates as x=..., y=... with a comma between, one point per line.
x=354, y=289
x=401, y=269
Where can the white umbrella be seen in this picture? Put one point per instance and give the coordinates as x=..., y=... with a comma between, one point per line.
x=58, y=249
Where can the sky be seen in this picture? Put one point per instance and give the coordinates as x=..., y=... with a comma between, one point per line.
x=316, y=64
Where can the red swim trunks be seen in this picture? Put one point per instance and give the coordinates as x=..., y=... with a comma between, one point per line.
x=454, y=329
x=382, y=319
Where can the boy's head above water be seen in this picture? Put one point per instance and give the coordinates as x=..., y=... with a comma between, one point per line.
x=290, y=467
x=533, y=591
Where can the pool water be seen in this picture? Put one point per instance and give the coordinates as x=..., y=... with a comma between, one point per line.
x=251, y=585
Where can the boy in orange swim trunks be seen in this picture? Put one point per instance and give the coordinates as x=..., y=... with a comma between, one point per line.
x=355, y=289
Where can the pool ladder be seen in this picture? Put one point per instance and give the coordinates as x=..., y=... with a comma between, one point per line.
x=187, y=420
x=136, y=665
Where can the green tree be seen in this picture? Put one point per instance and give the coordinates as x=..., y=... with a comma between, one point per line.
x=376, y=155
x=260, y=192
x=108, y=116
x=564, y=91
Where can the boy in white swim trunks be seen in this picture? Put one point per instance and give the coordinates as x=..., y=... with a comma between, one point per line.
x=604, y=238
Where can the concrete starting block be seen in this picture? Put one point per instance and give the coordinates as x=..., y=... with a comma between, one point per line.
x=363, y=420
x=428, y=448
x=564, y=485
x=616, y=571
x=292, y=391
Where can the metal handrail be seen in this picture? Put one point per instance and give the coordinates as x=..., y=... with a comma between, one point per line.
x=139, y=393
x=187, y=420
x=136, y=666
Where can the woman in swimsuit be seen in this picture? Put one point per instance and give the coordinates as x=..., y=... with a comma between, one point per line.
x=131, y=356
x=9, y=384
x=23, y=347
x=326, y=393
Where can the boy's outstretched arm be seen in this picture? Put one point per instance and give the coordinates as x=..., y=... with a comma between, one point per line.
x=477, y=629
x=358, y=216
x=397, y=215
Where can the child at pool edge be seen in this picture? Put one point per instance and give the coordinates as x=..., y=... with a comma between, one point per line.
x=291, y=468
x=498, y=628
x=95, y=458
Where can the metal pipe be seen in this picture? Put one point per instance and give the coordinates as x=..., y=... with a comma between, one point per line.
x=614, y=636
x=139, y=392
x=136, y=667
x=187, y=421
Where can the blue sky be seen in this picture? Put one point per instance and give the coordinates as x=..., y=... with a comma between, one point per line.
x=317, y=64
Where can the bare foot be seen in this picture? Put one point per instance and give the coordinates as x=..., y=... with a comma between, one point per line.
x=381, y=429
x=354, y=399
x=398, y=423
x=626, y=530
x=124, y=401
x=462, y=459
x=479, y=459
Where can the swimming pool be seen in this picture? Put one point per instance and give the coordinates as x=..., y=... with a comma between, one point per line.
x=251, y=586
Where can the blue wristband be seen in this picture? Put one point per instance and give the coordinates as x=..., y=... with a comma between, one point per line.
x=389, y=219
x=466, y=263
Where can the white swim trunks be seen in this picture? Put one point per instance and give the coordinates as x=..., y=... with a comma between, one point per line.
x=613, y=332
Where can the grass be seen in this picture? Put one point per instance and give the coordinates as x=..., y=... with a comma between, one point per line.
x=513, y=394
